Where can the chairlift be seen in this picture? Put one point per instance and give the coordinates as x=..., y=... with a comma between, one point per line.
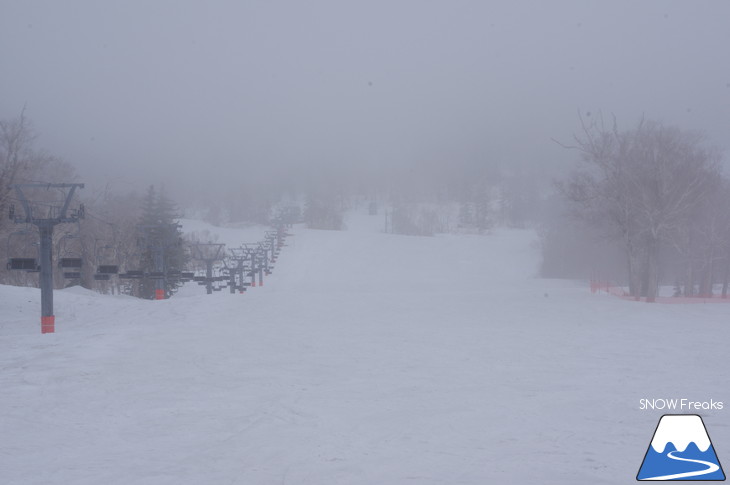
x=69, y=264
x=102, y=253
x=132, y=275
x=24, y=263
x=27, y=264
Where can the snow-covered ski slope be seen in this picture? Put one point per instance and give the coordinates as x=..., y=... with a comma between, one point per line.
x=366, y=358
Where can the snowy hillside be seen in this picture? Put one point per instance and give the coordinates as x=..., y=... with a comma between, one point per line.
x=366, y=358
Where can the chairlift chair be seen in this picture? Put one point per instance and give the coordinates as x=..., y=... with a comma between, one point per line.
x=23, y=263
x=132, y=275
x=69, y=264
x=105, y=269
x=27, y=264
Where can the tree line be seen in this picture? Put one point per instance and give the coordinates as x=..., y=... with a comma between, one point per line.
x=651, y=200
x=659, y=192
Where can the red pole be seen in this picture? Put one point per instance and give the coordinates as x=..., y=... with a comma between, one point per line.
x=159, y=294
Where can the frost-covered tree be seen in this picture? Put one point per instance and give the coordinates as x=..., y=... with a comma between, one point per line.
x=21, y=161
x=642, y=185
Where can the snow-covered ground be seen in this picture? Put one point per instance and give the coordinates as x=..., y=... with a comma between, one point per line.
x=366, y=358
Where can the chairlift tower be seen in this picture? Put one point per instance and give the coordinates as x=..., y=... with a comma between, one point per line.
x=252, y=254
x=237, y=256
x=209, y=253
x=263, y=253
x=271, y=243
x=45, y=223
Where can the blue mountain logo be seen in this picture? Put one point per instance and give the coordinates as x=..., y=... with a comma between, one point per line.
x=681, y=450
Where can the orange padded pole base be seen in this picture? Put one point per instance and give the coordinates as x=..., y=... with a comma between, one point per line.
x=48, y=324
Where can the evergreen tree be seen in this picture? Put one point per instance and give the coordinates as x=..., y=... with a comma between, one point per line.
x=162, y=243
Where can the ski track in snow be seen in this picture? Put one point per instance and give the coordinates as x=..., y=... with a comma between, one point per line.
x=365, y=358
x=711, y=467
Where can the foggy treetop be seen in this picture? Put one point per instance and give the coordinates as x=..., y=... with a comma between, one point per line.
x=218, y=90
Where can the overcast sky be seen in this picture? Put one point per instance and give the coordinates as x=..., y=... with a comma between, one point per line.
x=136, y=89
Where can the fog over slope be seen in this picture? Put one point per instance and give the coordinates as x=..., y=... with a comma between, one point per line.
x=207, y=95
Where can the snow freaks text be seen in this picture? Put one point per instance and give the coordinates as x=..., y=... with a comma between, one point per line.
x=679, y=404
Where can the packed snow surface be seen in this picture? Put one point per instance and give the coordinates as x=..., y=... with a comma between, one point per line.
x=366, y=358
